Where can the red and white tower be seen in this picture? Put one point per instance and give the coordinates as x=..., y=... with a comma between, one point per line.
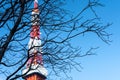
x=34, y=67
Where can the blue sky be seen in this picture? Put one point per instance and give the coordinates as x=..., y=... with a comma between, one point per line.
x=106, y=64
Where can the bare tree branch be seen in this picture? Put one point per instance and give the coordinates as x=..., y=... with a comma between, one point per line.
x=58, y=28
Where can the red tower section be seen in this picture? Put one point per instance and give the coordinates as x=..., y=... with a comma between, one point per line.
x=34, y=67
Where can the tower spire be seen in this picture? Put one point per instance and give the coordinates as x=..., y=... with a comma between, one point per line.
x=34, y=67
x=35, y=4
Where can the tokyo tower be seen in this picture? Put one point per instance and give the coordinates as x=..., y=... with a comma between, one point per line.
x=34, y=66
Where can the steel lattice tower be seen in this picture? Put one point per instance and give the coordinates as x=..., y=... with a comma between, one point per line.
x=34, y=67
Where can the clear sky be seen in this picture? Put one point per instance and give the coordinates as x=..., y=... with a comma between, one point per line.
x=106, y=64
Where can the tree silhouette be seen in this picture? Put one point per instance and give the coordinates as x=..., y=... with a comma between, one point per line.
x=58, y=28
